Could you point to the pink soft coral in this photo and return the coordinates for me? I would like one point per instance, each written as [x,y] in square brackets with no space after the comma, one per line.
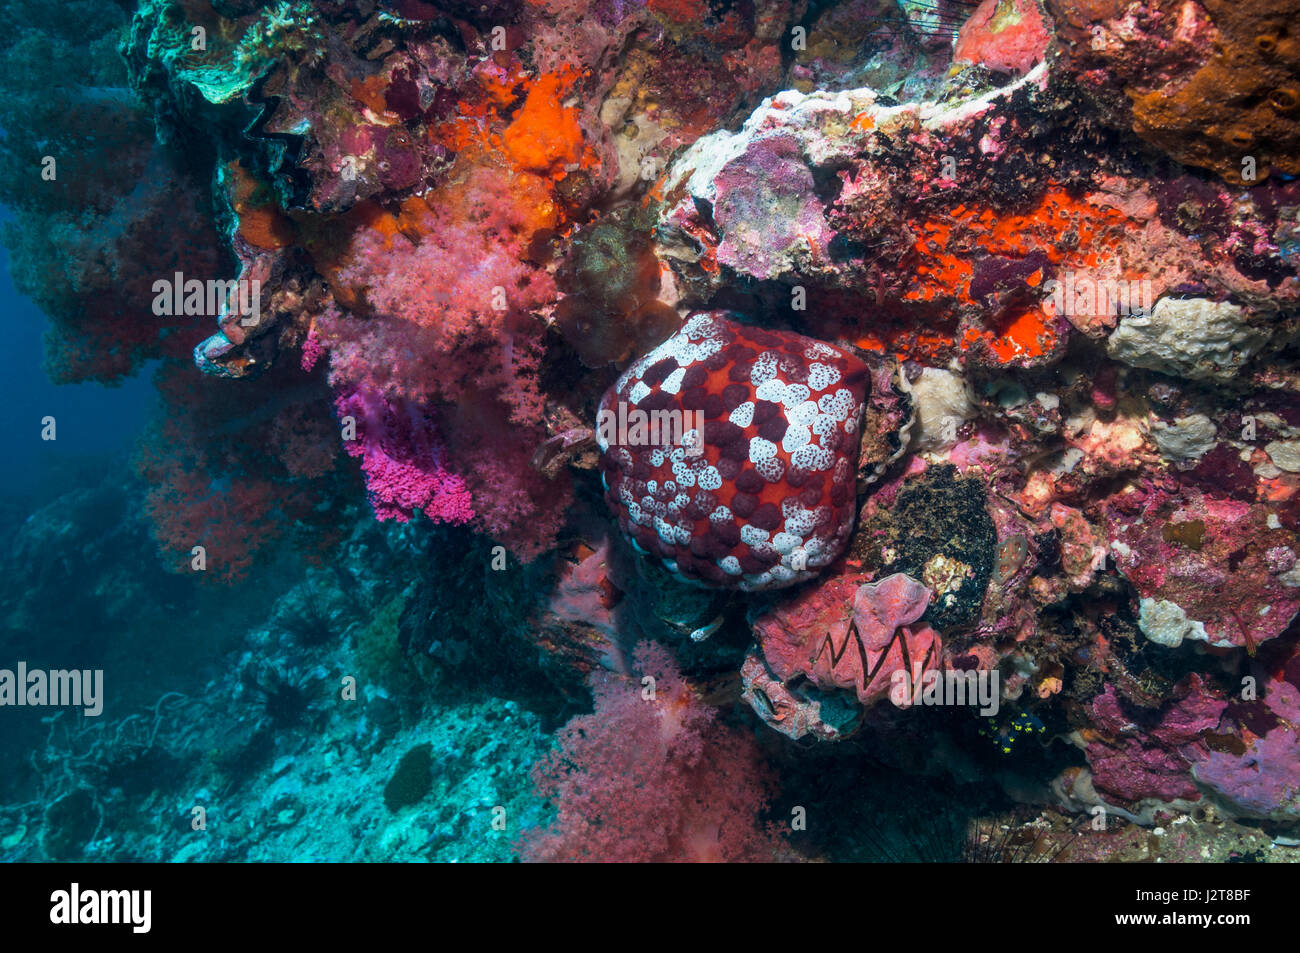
[452,310]
[513,502]
[653,780]
[445,318]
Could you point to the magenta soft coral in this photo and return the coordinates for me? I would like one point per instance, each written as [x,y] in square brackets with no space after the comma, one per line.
[449,324]
[657,780]
[489,441]
[402,463]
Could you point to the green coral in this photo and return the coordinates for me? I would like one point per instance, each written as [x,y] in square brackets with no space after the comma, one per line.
[218,57]
[379,650]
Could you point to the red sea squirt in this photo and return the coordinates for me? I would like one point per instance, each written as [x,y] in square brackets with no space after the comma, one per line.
[757,492]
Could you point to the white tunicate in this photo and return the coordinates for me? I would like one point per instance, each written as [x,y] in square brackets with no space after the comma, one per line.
[1285,454]
[1166,623]
[1188,337]
[942,406]
[1186,438]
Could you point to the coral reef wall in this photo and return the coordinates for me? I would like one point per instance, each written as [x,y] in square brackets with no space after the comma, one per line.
[921,374]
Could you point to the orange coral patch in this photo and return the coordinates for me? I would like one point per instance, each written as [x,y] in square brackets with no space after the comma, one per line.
[545,135]
[1028,334]
[943,269]
[261,223]
[370,92]
[1070,233]
[945,244]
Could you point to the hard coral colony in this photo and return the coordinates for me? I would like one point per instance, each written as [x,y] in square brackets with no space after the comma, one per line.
[832,347]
